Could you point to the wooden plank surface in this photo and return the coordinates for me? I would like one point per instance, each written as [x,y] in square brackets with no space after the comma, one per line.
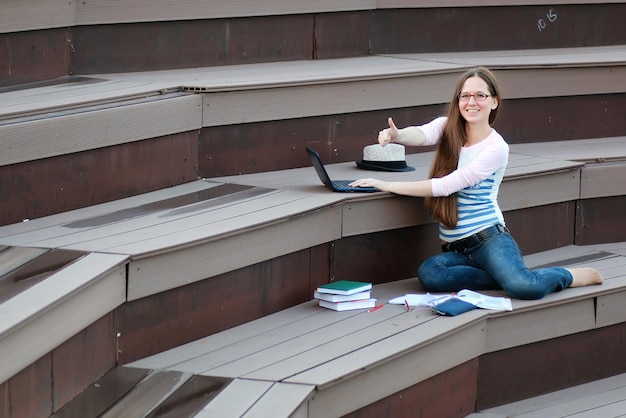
[105,392]
[21,233]
[111,11]
[605,404]
[611,309]
[190,222]
[65,134]
[43,316]
[12,258]
[387,4]
[233,336]
[36,14]
[184,231]
[601,180]
[281,400]
[557,187]
[363,384]
[293,73]
[559,256]
[261,350]
[319,347]
[411,339]
[550,322]
[330,80]
[97,233]
[584,150]
[195,260]
[148,395]
[374,215]
[235,399]
[566,402]
[618,248]
[259,105]
[347,354]
[85,91]
[42,14]
[267,331]
[552,57]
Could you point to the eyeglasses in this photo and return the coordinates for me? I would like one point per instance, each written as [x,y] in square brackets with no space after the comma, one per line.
[479,97]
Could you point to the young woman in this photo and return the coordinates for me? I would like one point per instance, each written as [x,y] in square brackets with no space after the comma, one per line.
[478,251]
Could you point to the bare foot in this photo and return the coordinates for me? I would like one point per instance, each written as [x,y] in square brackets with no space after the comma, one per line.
[585,276]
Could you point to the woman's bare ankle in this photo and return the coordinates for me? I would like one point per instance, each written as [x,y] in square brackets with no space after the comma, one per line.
[585,276]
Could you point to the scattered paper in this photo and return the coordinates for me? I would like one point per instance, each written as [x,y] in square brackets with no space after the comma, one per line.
[411,298]
[495,303]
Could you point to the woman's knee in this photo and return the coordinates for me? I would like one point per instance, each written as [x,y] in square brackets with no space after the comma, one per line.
[428,276]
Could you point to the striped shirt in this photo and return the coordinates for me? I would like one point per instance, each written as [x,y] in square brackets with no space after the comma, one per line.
[477,180]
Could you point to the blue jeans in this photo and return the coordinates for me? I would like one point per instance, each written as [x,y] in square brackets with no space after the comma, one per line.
[495,263]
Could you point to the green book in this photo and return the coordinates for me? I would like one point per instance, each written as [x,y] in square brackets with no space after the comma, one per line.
[344,287]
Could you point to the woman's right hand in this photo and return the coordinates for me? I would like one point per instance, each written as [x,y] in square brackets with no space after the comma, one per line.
[389,134]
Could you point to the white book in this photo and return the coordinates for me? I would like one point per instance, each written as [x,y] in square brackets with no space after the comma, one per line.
[341,298]
[344,287]
[349,305]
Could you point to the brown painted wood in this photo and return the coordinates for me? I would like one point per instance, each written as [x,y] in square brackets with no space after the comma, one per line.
[5,400]
[562,118]
[448,394]
[515,27]
[277,145]
[191,43]
[33,56]
[38,55]
[601,220]
[521,372]
[103,393]
[168,319]
[320,272]
[543,227]
[339,35]
[59,184]
[384,256]
[83,359]
[30,390]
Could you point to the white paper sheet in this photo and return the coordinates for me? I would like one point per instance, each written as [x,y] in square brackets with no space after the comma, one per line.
[478,299]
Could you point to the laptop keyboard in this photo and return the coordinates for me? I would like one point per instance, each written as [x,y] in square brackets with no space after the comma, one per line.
[342,184]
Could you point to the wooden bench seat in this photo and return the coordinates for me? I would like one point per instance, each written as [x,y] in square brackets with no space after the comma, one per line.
[41,317]
[602,398]
[604,171]
[291,205]
[151,104]
[199,230]
[346,355]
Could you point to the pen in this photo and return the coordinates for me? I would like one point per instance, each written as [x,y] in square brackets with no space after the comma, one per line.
[375,308]
[407,305]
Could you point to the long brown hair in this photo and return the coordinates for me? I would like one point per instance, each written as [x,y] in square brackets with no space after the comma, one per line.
[444,209]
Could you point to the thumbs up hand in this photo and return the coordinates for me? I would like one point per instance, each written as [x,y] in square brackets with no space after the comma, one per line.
[389,134]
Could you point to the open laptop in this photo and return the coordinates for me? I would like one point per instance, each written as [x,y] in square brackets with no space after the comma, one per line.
[334,185]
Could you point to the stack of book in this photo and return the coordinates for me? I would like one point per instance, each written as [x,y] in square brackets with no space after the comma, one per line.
[345,295]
